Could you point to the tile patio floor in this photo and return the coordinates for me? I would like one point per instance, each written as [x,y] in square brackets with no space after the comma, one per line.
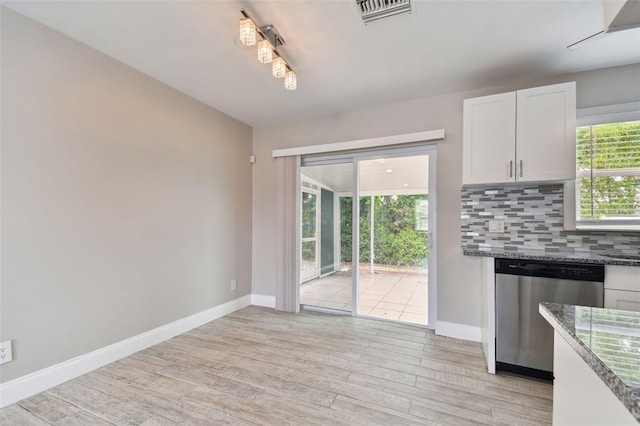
[395,297]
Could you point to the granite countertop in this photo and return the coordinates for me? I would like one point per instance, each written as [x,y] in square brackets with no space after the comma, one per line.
[591,258]
[608,340]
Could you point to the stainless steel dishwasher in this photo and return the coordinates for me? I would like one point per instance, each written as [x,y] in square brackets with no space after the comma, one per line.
[524,340]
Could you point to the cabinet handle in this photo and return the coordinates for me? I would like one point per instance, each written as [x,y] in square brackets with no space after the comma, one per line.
[520,168]
[511,168]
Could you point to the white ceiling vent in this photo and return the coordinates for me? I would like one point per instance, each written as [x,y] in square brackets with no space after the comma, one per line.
[378,9]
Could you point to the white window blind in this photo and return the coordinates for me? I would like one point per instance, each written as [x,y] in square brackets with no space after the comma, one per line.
[608,174]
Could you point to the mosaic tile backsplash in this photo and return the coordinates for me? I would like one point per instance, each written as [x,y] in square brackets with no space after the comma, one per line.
[533,220]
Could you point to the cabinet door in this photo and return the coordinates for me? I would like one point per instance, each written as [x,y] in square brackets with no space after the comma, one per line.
[489,139]
[621,299]
[621,277]
[546,133]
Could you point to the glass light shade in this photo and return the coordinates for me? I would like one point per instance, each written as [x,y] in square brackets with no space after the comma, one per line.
[265,51]
[247,32]
[290,80]
[278,67]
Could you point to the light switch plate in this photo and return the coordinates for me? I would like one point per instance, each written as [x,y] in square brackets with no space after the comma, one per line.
[496,226]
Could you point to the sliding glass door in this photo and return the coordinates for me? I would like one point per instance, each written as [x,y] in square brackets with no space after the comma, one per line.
[394,238]
[328,286]
[373,256]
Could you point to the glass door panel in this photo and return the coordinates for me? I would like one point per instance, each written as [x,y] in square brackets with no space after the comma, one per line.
[329,285]
[393,238]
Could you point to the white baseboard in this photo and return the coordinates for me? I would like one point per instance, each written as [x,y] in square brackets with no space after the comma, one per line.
[262,300]
[458,331]
[36,382]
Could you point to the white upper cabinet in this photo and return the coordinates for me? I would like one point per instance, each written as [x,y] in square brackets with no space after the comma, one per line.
[523,136]
[489,138]
[546,133]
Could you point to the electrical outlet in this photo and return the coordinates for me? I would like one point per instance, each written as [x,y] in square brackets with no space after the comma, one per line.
[234,285]
[6,354]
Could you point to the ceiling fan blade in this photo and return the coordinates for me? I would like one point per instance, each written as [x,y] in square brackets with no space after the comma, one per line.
[579,44]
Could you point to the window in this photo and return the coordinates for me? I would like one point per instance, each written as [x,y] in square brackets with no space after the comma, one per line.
[422,215]
[608,168]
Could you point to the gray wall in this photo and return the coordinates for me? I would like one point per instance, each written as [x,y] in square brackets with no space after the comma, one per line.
[458,276]
[125,204]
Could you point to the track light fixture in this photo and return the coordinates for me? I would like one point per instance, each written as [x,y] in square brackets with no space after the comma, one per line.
[278,67]
[247,32]
[270,39]
[265,52]
[290,80]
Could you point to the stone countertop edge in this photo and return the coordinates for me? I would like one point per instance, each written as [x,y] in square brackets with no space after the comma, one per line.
[552,257]
[629,396]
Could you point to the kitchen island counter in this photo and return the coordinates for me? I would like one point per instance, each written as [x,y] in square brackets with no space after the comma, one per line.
[608,341]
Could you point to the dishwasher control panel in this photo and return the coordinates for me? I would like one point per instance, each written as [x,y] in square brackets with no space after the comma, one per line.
[559,270]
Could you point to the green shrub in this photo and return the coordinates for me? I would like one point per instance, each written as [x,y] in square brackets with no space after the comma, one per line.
[396,241]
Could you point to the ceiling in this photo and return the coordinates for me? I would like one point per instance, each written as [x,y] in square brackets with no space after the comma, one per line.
[342,64]
[380,176]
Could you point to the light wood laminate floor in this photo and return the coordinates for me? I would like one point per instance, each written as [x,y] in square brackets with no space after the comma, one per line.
[260,366]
